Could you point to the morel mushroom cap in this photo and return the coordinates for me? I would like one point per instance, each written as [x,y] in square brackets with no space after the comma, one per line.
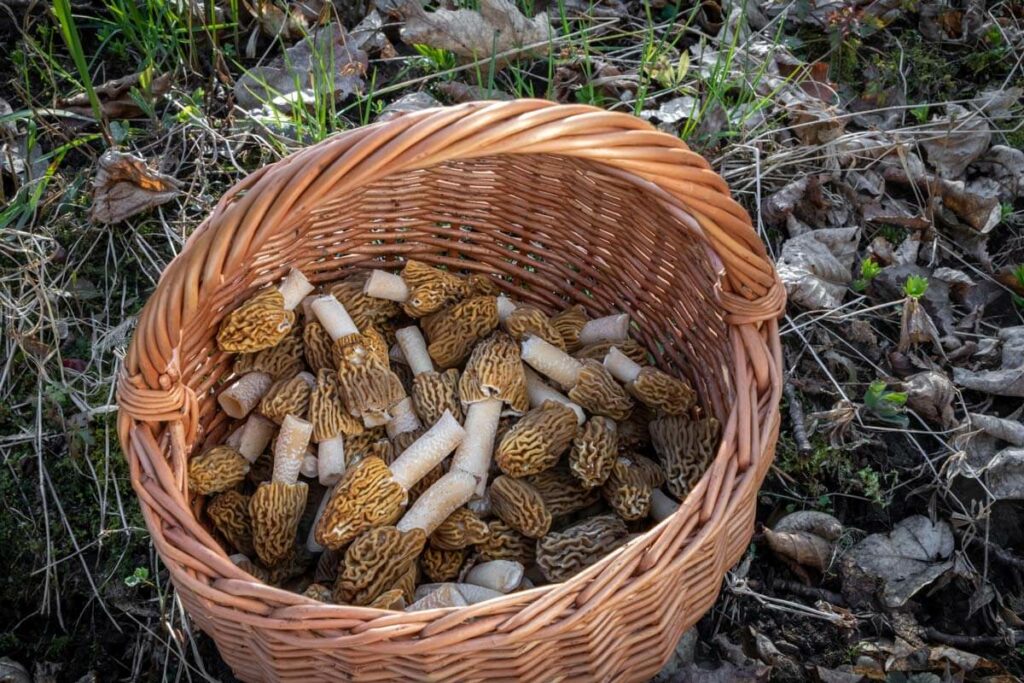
[218,469]
[245,393]
[505,543]
[327,410]
[265,319]
[561,492]
[407,582]
[392,600]
[318,592]
[276,507]
[527,321]
[631,348]
[459,530]
[494,370]
[651,386]
[628,490]
[375,561]
[598,392]
[229,512]
[652,472]
[442,565]
[372,494]
[366,311]
[568,324]
[537,441]
[562,554]
[288,397]
[431,289]
[283,361]
[432,392]
[594,450]
[318,346]
[610,328]
[520,506]
[686,448]
[503,576]
[539,391]
[369,386]
[453,331]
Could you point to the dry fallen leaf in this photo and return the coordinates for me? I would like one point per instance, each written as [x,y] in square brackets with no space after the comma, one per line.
[406,104]
[930,394]
[956,140]
[124,186]
[815,267]
[116,101]
[1006,381]
[806,538]
[498,27]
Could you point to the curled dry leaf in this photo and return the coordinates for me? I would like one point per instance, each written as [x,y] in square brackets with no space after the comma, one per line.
[1006,381]
[116,96]
[497,28]
[124,186]
[956,140]
[815,267]
[930,394]
[806,538]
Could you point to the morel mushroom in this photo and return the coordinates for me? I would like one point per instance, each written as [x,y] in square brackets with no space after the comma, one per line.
[282,361]
[432,392]
[505,543]
[594,450]
[369,387]
[420,289]
[453,331]
[540,391]
[686,448]
[526,321]
[628,489]
[610,328]
[244,394]
[503,576]
[276,507]
[405,426]
[288,397]
[520,506]
[318,346]
[562,554]
[598,351]
[250,567]
[229,512]
[561,492]
[474,454]
[537,441]
[442,565]
[494,370]
[216,470]
[392,600]
[366,311]
[372,494]
[265,319]
[375,561]
[318,592]
[331,424]
[459,530]
[589,383]
[649,385]
[568,323]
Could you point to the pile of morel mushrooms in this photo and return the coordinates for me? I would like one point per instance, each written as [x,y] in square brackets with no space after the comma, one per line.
[435,444]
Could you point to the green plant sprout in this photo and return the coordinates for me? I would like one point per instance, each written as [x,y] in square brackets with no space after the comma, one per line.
[1018,275]
[869,270]
[886,405]
[140,577]
[435,59]
[915,286]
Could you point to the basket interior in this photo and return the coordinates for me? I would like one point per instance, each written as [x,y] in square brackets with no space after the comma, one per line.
[554,231]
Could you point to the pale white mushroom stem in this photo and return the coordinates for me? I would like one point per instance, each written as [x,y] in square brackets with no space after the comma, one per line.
[662,507]
[384,285]
[444,496]
[503,576]
[403,418]
[308,378]
[539,391]
[445,596]
[234,439]
[622,367]
[307,307]
[474,453]
[240,398]
[505,307]
[551,361]
[294,289]
[255,436]
[311,544]
[427,451]
[414,348]
[395,355]
[290,448]
[309,465]
[611,328]
[330,457]
[333,316]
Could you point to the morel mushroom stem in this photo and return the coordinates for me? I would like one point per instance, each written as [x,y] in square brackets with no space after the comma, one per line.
[471,593]
[333,316]
[309,464]
[551,361]
[444,496]
[307,307]
[662,507]
[503,576]
[384,285]
[505,307]
[240,398]
[290,449]
[475,451]
[414,348]
[311,544]
[403,418]
[539,391]
[294,289]
[427,451]
[330,460]
[256,434]
[622,367]
[613,328]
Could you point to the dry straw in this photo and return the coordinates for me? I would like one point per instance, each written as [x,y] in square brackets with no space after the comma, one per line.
[564,205]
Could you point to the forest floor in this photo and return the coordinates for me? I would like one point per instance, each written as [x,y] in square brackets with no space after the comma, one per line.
[877,143]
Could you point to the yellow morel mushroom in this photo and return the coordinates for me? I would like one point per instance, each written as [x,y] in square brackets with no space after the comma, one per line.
[563,554]
[281,361]
[372,494]
[420,289]
[461,529]
[288,397]
[521,321]
[539,391]
[366,311]
[568,323]
[561,492]
[686,448]
[505,543]
[537,441]
[432,392]
[495,371]
[216,470]
[265,319]
[318,592]
[375,561]
[331,424]
[441,565]
[520,506]
[594,449]
[628,489]
[649,385]
[276,507]
[229,512]
[588,382]
[452,332]
[369,387]
[318,346]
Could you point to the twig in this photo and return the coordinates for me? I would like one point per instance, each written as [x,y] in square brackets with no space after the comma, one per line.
[796,417]
[809,592]
[966,642]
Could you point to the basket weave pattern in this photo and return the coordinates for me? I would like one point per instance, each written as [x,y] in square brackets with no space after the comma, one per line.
[563,204]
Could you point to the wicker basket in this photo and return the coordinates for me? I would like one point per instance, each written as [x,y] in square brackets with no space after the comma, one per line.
[562,204]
